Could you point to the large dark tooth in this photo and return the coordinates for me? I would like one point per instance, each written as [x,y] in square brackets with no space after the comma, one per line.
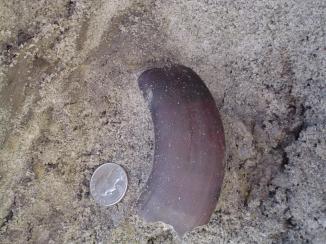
[188,170]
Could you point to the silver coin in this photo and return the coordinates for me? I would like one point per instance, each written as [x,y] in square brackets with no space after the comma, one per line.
[109,184]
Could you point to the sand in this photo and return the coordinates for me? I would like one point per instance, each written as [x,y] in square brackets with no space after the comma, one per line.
[69,102]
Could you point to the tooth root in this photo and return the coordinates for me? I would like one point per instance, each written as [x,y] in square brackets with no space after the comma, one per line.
[188,170]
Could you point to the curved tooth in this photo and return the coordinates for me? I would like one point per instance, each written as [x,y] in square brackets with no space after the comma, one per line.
[188,170]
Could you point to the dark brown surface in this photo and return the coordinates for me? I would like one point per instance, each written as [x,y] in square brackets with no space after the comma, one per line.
[188,171]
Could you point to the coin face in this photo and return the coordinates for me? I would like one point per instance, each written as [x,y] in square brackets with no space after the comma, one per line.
[109,184]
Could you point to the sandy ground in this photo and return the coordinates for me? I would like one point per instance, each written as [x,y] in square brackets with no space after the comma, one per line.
[69,102]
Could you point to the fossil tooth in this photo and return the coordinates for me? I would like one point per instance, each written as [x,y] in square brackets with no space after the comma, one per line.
[184,185]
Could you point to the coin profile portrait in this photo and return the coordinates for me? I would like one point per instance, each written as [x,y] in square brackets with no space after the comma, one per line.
[108,184]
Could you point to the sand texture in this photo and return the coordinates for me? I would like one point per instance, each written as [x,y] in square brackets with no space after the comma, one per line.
[69,101]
